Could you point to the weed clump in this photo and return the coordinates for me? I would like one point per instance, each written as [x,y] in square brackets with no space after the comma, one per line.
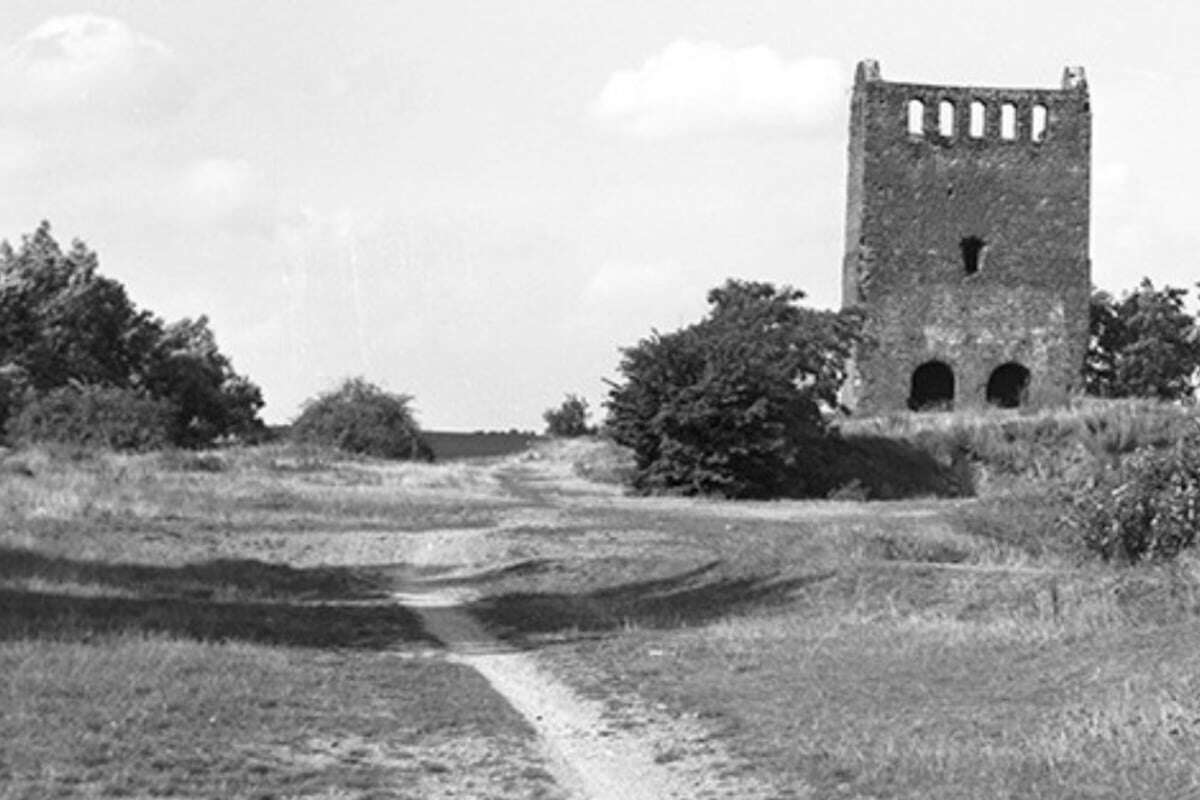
[177,461]
[1146,507]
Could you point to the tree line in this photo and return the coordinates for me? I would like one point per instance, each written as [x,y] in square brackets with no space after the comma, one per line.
[78,359]
[737,404]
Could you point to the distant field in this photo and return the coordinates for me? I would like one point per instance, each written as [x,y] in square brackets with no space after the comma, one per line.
[454,445]
[451,445]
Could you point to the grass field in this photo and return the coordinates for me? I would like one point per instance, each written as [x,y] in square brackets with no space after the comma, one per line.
[139,715]
[899,664]
[217,625]
[210,626]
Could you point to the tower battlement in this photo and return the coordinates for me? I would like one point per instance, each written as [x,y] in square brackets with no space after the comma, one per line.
[967,241]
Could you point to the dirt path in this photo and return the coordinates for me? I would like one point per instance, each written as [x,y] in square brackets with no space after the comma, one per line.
[542,513]
[589,757]
[646,753]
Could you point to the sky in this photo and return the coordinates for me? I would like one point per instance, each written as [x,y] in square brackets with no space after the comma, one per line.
[479,203]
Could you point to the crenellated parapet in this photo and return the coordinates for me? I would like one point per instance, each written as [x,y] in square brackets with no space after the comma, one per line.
[974,116]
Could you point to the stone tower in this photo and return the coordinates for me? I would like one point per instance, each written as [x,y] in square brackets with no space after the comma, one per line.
[967,242]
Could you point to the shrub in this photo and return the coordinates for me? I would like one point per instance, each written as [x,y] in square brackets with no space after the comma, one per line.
[14,386]
[1146,507]
[605,462]
[569,419]
[93,417]
[732,404]
[359,417]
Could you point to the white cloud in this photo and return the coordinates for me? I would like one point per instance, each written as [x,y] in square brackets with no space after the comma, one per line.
[220,186]
[98,65]
[705,86]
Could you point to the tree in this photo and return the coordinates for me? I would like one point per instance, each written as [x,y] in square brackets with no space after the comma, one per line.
[730,405]
[569,419]
[359,417]
[64,324]
[60,320]
[209,399]
[1142,345]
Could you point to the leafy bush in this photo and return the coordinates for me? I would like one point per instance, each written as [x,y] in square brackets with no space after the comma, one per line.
[359,417]
[731,404]
[569,419]
[93,417]
[1146,507]
[14,386]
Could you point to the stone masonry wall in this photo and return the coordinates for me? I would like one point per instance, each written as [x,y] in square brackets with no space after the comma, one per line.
[1014,190]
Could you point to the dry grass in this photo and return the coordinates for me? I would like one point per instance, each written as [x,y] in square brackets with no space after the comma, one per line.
[875,705]
[178,625]
[881,650]
[163,508]
[917,649]
[152,716]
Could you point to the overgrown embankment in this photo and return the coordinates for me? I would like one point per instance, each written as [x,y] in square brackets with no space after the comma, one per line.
[996,450]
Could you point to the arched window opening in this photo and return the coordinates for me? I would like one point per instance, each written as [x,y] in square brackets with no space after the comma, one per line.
[916,118]
[1037,123]
[978,119]
[1008,121]
[972,253]
[932,387]
[1007,385]
[946,118]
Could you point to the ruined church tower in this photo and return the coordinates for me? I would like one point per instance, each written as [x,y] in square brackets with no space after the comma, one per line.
[967,242]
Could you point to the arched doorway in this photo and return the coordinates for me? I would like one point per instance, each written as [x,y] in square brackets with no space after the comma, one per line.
[1006,387]
[932,387]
